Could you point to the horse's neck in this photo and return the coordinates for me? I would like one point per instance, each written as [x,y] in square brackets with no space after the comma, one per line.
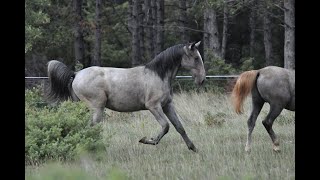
[171,75]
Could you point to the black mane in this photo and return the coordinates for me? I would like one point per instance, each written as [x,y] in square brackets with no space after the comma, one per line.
[167,60]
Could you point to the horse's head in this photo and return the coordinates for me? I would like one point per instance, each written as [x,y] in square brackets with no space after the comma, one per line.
[191,60]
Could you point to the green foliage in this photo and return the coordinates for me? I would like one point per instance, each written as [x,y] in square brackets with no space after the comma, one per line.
[115,56]
[58,133]
[35,18]
[115,42]
[247,64]
[217,65]
[214,120]
[216,4]
[34,97]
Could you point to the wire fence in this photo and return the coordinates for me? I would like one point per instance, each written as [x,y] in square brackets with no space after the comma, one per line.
[228,80]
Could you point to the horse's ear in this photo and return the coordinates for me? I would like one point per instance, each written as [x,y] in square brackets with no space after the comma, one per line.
[191,46]
[197,44]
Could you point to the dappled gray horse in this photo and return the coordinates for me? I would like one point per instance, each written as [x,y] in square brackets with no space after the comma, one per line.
[274,85]
[130,89]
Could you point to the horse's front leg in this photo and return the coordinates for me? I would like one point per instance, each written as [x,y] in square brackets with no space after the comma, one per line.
[162,119]
[172,115]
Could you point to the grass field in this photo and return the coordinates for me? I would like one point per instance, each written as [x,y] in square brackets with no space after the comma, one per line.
[210,122]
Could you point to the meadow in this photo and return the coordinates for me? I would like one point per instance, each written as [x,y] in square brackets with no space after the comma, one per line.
[211,123]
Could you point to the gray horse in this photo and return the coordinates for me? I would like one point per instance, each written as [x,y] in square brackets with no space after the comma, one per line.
[274,85]
[130,89]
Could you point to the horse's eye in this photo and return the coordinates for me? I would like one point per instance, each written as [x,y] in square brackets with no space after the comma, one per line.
[196,58]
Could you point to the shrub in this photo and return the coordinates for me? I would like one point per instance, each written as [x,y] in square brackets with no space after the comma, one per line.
[34,97]
[58,133]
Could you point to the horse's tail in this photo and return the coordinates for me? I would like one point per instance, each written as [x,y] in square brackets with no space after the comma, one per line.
[242,88]
[60,81]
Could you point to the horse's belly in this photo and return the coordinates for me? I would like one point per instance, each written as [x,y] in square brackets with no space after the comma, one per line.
[128,105]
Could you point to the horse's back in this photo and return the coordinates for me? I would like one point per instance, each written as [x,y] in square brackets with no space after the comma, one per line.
[276,85]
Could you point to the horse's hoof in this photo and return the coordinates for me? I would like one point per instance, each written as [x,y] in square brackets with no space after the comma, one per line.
[247,149]
[193,148]
[143,140]
[276,149]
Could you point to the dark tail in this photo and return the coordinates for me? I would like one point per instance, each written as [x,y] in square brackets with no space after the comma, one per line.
[60,81]
[242,88]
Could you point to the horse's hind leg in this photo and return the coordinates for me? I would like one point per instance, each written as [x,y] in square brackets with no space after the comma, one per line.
[172,115]
[257,104]
[96,104]
[97,115]
[162,119]
[268,122]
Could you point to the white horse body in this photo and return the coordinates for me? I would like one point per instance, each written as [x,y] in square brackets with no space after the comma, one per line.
[121,89]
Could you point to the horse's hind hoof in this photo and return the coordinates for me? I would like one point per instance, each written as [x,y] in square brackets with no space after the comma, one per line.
[143,140]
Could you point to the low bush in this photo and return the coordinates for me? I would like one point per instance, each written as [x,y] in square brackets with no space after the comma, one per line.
[60,132]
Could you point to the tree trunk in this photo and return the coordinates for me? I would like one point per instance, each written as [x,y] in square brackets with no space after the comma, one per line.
[130,5]
[211,36]
[289,34]
[267,39]
[183,21]
[149,21]
[135,53]
[97,44]
[160,26]
[148,30]
[141,31]
[154,28]
[225,30]
[79,42]
[252,24]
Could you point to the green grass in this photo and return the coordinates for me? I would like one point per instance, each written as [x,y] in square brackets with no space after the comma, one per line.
[210,122]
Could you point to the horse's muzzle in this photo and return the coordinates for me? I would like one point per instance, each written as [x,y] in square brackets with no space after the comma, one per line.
[202,82]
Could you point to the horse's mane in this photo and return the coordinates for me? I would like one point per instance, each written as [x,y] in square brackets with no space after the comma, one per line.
[167,60]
